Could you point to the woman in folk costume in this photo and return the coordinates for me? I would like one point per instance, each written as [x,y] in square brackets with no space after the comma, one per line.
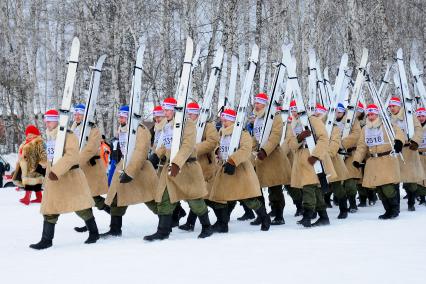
[303,175]
[159,122]
[66,189]
[272,166]
[421,186]
[381,169]
[29,173]
[182,179]
[90,161]
[236,178]
[412,171]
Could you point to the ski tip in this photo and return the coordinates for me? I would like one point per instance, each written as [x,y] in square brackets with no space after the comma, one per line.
[254,53]
[100,61]
[75,50]
[189,50]
[399,54]
[218,59]
[76,42]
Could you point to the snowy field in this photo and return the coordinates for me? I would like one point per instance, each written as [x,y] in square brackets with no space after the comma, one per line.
[360,249]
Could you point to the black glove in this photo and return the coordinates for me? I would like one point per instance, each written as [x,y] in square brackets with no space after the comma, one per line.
[92,161]
[153,158]
[53,176]
[40,170]
[125,178]
[303,135]
[413,145]
[229,168]
[356,164]
[397,146]
[174,170]
[261,155]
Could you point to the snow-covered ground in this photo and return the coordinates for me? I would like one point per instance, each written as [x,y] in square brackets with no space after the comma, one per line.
[360,249]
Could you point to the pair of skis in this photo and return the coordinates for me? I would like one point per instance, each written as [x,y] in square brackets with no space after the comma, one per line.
[91,99]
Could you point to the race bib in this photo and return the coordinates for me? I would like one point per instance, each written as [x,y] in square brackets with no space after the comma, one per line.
[224,147]
[423,143]
[168,136]
[374,137]
[257,128]
[122,140]
[50,149]
[77,131]
[156,138]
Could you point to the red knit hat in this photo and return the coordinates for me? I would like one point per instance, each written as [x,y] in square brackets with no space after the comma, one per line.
[395,101]
[421,111]
[51,115]
[320,109]
[169,103]
[372,108]
[360,107]
[261,98]
[193,108]
[293,106]
[229,114]
[32,129]
[158,111]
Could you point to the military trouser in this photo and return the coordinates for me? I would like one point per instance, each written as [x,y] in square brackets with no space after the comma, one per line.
[350,186]
[410,187]
[362,191]
[276,196]
[295,194]
[85,214]
[253,203]
[119,211]
[421,190]
[338,189]
[165,207]
[386,191]
[99,202]
[313,198]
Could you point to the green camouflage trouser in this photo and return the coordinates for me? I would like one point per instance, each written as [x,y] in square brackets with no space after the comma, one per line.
[165,207]
[313,198]
[350,186]
[295,194]
[421,190]
[276,196]
[386,191]
[84,214]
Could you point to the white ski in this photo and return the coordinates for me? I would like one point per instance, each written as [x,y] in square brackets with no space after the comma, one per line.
[222,86]
[312,76]
[208,96]
[418,81]
[353,102]
[92,98]
[232,83]
[66,100]
[182,97]
[134,107]
[338,94]
[244,101]
[406,98]
[273,102]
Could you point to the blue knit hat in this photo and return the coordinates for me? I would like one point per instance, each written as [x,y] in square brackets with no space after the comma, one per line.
[79,108]
[340,108]
[123,111]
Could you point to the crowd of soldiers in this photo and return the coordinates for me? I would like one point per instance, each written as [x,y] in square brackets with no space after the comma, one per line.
[366,162]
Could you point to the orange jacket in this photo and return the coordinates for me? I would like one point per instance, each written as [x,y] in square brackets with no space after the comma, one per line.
[105,152]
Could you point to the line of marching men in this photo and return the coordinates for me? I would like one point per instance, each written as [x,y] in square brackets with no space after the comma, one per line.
[203,175]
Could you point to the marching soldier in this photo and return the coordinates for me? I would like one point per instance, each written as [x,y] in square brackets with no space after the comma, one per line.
[183,180]
[205,156]
[303,175]
[295,193]
[339,165]
[271,165]
[411,170]
[90,162]
[421,186]
[66,188]
[375,142]
[354,174]
[159,122]
[236,173]
[137,182]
